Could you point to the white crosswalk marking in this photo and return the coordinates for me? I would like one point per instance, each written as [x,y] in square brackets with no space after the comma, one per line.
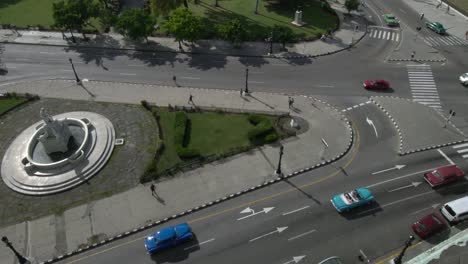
[423,87]
[385,34]
[462,149]
[445,41]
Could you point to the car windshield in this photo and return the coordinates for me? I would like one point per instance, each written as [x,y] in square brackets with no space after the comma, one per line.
[437,175]
[450,210]
[390,17]
[356,195]
[422,227]
[465,75]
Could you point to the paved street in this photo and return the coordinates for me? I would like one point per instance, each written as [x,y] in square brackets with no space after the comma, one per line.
[383,140]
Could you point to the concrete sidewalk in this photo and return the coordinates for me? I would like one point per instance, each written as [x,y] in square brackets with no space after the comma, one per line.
[51,236]
[344,38]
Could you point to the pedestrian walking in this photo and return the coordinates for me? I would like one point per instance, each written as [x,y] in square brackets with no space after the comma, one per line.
[448,8]
[422,16]
[356,28]
[241,92]
[466,35]
[190,99]
[153,189]
[412,54]
[63,36]
[290,102]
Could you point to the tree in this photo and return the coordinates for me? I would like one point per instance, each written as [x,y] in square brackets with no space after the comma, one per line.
[233,31]
[184,25]
[351,5]
[74,14]
[108,11]
[135,24]
[283,35]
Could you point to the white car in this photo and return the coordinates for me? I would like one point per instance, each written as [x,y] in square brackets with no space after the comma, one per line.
[464,79]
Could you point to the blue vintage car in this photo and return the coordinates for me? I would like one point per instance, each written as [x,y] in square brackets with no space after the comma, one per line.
[168,237]
[346,201]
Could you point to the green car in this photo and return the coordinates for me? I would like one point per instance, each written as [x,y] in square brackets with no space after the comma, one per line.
[390,19]
[436,27]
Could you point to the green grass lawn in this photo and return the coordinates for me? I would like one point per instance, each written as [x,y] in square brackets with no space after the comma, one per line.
[269,14]
[26,12]
[212,133]
[461,5]
[7,104]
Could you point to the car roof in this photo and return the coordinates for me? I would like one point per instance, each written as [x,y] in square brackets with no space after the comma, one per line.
[331,260]
[459,204]
[448,170]
[165,233]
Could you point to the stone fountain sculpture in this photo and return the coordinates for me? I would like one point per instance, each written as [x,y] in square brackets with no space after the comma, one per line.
[58,153]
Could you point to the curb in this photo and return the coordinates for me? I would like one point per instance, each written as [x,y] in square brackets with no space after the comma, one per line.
[217,201]
[419,60]
[400,147]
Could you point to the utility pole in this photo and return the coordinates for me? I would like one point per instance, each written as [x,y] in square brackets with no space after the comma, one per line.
[408,242]
[78,81]
[271,43]
[278,169]
[246,81]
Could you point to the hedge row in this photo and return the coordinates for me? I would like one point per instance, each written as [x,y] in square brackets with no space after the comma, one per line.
[182,136]
[263,132]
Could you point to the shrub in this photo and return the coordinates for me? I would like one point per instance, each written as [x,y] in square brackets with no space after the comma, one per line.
[145,104]
[272,137]
[255,119]
[260,130]
[186,153]
[180,123]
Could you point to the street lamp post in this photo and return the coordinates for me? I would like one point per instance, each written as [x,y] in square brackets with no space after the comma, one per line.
[271,43]
[74,71]
[21,259]
[278,169]
[246,80]
[408,242]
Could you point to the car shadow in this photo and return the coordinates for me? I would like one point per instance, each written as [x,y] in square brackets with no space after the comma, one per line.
[388,90]
[369,210]
[178,253]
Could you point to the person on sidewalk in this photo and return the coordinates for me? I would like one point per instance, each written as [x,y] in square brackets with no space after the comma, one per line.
[422,16]
[153,189]
[190,99]
[412,55]
[448,8]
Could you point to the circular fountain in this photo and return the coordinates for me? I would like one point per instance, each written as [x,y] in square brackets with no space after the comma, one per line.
[58,153]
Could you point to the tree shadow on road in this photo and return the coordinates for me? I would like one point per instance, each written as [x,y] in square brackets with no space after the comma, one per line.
[303,192]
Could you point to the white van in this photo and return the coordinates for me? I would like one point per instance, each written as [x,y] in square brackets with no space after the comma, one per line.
[456,211]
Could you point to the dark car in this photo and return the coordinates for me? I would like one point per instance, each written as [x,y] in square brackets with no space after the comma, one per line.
[168,237]
[444,175]
[376,85]
[429,225]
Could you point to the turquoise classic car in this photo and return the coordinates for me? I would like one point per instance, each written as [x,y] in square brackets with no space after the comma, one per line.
[390,20]
[346,201]
[436,27]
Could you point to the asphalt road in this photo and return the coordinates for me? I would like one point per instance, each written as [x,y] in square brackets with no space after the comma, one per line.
[314,229]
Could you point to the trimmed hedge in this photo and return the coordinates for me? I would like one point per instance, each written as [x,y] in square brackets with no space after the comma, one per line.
[182,136]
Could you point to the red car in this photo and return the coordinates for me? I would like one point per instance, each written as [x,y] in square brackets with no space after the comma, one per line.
[376,85]
[429,225]
[444,175]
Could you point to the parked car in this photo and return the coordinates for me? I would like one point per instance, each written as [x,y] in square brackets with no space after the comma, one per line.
[346,201]
[455,211]
[376,85]
[444,175]
[464,79]
[436,27]
[168,237]
[390,20]
[429,225]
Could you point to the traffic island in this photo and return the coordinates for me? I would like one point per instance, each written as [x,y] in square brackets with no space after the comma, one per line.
[419,127]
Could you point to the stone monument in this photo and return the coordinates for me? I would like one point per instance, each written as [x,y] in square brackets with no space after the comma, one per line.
[58,153]
[298,19]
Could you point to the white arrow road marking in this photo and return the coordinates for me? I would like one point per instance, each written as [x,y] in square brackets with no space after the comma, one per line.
[265,210]
[397,178]
[434,206]
[445,156]
[413,184]
[371,123]
[247,210]
[199,244]
[397,167]
[278,230]
[297,210]
[301,235]
[295,259]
